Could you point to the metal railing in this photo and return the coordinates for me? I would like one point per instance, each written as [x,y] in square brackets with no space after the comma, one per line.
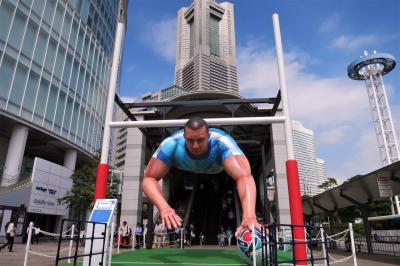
[388,245]
[80,225]
[273,241]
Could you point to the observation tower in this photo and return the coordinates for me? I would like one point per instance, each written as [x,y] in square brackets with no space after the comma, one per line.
[371,69]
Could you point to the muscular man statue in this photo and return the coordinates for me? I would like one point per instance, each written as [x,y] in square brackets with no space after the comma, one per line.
[199,149]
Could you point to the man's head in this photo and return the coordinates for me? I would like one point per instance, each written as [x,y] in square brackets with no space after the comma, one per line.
[196,136]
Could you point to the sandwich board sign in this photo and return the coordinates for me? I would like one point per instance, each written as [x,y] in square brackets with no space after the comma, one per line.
[102,212]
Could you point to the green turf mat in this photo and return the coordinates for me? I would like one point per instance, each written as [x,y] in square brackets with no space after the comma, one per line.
[173,256]
[180,257]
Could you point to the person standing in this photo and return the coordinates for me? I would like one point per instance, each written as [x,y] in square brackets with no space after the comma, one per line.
[229,235]
[126,233]
[221,237]
[139,235]
[10,234]
[34,235]
[202,239]
[159,233]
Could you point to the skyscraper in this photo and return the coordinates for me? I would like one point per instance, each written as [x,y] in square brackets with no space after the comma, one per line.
[311,169]
[55,61]
[322,177]
[206,49]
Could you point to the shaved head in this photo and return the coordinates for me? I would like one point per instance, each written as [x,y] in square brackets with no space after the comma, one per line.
[196,123]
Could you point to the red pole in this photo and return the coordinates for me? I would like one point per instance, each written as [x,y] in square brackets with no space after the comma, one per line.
[101,182]
[296,211]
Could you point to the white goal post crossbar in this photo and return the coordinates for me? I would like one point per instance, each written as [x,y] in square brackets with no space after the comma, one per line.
[210,121]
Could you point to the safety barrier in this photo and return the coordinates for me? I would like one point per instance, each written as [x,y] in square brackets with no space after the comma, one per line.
[78,238]
[274,237]
[74,235]
[280,237]
[166,240]
[52,255]
[388,245]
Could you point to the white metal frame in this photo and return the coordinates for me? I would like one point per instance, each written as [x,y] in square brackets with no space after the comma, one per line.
[210,121]
[282,82]
[111,91]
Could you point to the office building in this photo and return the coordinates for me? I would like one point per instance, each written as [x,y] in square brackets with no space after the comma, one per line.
[311,169]
[322,177]
[206,48]
[55,61]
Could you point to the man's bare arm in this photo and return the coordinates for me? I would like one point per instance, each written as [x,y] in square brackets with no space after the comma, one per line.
[157,169]
[238,168]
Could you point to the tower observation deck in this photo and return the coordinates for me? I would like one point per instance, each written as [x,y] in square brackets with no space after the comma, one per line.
[371,69]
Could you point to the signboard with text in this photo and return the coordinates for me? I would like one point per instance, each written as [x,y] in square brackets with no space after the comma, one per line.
[50,181]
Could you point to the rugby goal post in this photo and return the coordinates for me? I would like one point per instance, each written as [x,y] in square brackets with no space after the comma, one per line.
[295,202]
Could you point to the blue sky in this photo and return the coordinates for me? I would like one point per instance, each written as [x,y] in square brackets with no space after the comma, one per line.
[320,39]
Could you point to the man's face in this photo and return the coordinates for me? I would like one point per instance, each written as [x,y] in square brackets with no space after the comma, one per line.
[197,140]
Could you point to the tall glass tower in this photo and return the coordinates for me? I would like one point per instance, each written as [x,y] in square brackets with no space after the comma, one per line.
[55,61]
[206,48]
[54,65]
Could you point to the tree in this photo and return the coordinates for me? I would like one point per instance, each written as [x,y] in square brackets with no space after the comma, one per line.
[80,198]
[330,183]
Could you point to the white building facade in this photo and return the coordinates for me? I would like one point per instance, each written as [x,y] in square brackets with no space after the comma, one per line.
[322,177]
[206,47]
[311,169]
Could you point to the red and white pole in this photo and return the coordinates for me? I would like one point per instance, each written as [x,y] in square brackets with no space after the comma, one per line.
[102,169]
[296,208]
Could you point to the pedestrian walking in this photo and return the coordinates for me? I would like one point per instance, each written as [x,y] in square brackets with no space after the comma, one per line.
[10,234]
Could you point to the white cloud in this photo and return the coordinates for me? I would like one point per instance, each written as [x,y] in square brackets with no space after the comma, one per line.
[366,154]
[127,99]
[314,101]
[330,23]
[336,107]
[161,37]
[354,42]
[334,135]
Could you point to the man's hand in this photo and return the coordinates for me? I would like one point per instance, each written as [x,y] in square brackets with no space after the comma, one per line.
[246,223]
[169,218]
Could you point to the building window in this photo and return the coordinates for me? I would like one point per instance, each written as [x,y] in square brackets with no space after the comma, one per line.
[192,36]
[214,35]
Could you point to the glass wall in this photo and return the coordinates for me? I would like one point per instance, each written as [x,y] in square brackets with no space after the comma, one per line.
[55,60]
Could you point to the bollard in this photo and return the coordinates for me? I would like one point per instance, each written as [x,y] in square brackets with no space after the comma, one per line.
[111,244]
[253,240]
[323,245]
[353,248]
[181,237]
[70,242]
[28,243]
[118,240]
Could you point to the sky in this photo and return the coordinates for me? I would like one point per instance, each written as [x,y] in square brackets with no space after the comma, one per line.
[320,39]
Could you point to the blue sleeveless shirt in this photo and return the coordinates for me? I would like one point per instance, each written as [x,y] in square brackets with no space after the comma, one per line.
[173,152]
